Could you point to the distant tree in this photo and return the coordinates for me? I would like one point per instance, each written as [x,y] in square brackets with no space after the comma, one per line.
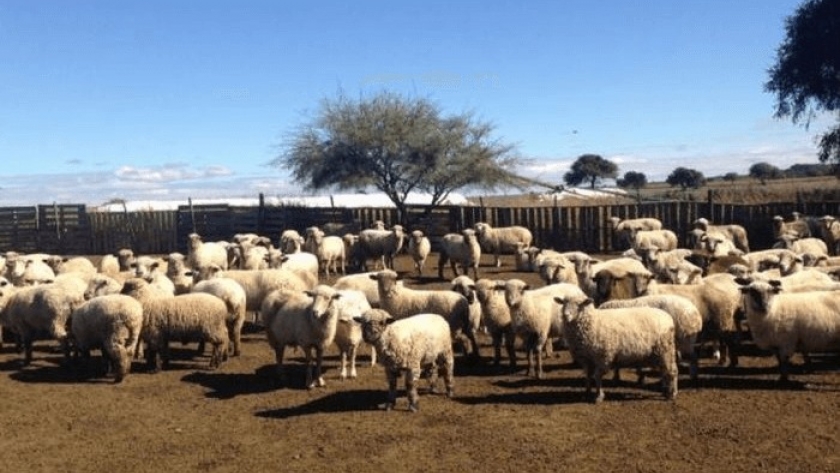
[809,170]
[764,171]
[685,178]
[590,168]
[396,145]
[806,75]
[730,177]
[633,180]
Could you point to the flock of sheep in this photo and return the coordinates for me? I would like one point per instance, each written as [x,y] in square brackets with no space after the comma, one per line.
[650,307]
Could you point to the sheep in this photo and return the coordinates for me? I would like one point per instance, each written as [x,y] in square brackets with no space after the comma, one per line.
[796,228]
[401,302]
[290,241]
[625,229]
[307,319]
[26,272]
[601,339]
[664,240]
[303,263]
[79,265]
[353,252]
[348,333]
[536,256]
[111,323]
[178,273]
[830,233]
[495,314]
[154,271]
[532,316]
[410,345]
[193,316]
[556,269]
[788,322]
[732,232]
[522,258]
[500,240]
[672,266]
[786,260]
[715,244]
[235,299]
[687,321]
[361,282]
[382,244]
[258,283]
[460,249]
[419,248]
[811,246]
[102,285]
[718,299]
[330,251]
[115,263]
[378,225]
[465,286]
[201,253]
[620,278]
[43,309]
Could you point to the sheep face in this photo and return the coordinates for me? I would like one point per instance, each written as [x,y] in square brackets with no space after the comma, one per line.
[322,302]
[193,241]
[374,322]
[124,258]
[514,290]
[464,286]
[572,308]
[15,267]
[758,295]
[417,237]
[387,282]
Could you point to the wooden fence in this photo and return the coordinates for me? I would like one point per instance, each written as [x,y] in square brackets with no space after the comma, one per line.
[73,230]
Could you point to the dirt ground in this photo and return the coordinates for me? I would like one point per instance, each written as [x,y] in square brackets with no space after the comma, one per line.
[237,418]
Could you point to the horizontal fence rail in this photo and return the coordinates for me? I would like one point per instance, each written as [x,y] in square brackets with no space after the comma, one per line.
[74,230]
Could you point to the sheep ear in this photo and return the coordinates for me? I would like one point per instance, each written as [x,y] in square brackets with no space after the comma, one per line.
[336,297]
[375,276]
[777,285]
[390,321]
[587,302]
[559,300]
[359,319]
[309,293]
[743,281]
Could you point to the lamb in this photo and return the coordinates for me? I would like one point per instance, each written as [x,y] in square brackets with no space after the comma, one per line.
[625,229]
[290,241]
[348,333]
[687,321]
[532,315]
[235,299]
[383,244]
[785,323]
[830,233]
[401,302]
[502,239]
[178,273]
[330,252]
[410,345]
[419,248]
[307,319]
[601,339]
[202,254]
[186,317]
[496,316]
[460,249]
[733,232]
[111,323]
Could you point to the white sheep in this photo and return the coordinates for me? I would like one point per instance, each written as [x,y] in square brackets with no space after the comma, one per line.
[22,271]
[533,317]
[233,295]
[501,240]
[558,268]
[687,321]
[154,271]
[302,263]
[258,283]
[495,314]
[460,250]
[178,272]
[79,265]
[797,228]
[307,319]
[625,229]
[602,339]
[381,244]
[789,322]
[330,251]
[201,254]
[361,282]
[620,278]
[663,240]
[830,233]
[811,246]
[732,232]
[111,323]
[290,241]
[419,248]
[465,286]
[102,285]
[185,317]
[401,302]
[348,334]
[115,263]
[411,346]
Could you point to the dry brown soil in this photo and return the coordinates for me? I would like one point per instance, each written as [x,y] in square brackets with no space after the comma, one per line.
[238,418]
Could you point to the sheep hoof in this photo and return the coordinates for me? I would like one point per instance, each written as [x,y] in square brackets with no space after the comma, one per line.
[413,407]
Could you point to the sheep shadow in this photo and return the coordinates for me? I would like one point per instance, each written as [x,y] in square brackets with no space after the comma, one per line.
[230,385]
[337,402]
[55,370]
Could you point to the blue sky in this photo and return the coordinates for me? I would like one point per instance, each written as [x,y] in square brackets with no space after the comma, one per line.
[175,99]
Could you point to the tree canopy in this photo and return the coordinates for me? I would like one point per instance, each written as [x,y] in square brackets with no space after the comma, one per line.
[396,145]
[632,180]
[806,74]
[764,171]
[686,178]
[590,168]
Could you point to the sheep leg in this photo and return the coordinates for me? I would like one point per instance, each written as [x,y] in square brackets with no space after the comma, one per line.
[598,374]
[279,351]
[343,373]
[313,371]
[539,364]
[392,389]
[165,355]
[353,350]
[236,336]
[411,377]
[510,340]
[26,341]
[498,260]
[497,348]
[447,370]
[784,367]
